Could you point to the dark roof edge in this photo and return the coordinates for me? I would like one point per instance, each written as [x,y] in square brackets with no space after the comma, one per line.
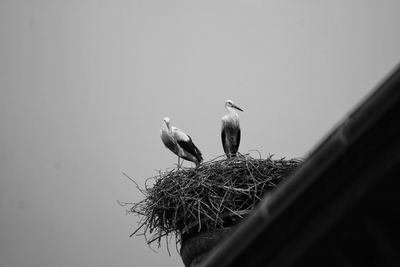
[325,154]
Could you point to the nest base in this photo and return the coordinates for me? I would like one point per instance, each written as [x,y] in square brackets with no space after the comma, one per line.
[195,204]
[196,247]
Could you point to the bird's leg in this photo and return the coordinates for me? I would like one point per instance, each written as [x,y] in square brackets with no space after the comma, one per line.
[179,163]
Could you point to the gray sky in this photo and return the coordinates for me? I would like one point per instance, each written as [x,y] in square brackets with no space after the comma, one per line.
[84,86]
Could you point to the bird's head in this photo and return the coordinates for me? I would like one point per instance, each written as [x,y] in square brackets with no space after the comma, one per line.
[166,121]
[230,104]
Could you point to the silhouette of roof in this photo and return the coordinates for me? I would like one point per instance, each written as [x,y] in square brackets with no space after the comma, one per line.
[341,207]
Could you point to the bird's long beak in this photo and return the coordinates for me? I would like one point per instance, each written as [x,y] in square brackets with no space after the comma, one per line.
[234,106]
[166,125]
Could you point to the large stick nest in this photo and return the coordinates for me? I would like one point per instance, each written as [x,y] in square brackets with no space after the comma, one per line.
[215,194]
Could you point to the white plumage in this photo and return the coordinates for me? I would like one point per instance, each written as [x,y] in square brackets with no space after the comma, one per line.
[180,144]
[230,131]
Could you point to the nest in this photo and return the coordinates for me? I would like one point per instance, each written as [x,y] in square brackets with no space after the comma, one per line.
[214,195]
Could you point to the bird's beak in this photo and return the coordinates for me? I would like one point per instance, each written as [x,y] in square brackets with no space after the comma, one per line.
[166,124]
[234,106]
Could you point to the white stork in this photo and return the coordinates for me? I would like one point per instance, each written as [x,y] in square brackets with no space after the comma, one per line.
[180,143]
[230,131]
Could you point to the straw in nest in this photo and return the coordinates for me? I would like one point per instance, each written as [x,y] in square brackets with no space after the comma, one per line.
[215,194]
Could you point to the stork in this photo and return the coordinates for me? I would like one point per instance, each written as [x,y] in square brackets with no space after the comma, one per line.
[230,131]
[180,144]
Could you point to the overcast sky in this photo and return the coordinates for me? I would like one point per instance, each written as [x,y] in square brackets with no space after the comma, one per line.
[84,86]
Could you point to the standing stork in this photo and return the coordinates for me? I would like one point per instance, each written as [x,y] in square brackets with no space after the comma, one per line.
[180,144]
[230,132]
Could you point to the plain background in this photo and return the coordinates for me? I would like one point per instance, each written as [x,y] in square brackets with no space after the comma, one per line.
[84,86]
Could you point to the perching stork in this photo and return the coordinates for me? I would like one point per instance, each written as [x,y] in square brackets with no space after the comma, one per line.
[180,143]
[230,132]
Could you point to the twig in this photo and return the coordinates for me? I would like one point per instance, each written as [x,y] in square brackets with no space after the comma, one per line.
[196,199]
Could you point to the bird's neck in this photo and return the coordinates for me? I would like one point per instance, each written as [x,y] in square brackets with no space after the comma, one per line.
[168,127]
[232,112]
[232,116]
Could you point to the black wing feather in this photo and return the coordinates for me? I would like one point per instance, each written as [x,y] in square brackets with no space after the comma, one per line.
[231,145]
[237,141]
[236,144]
[223,136]
[191,148]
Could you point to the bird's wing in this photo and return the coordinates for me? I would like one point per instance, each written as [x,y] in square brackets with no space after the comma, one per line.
[236,145]
[230,137]
[179,135]
[198,154]
[190,147]
[224,144]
